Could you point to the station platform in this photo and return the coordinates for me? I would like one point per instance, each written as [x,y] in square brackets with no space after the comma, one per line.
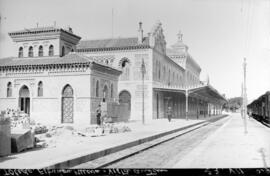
[75,152]
[232,147]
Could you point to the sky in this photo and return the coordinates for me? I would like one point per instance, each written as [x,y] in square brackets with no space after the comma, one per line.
[219,33]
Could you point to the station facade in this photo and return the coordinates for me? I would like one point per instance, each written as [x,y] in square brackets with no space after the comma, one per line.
[58,78]
[52,83]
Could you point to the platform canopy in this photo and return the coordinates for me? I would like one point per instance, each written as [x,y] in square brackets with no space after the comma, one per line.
[207,91]
[204,91]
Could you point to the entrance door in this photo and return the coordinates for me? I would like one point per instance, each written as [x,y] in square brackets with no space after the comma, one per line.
[125,97]
[24,100]
[67,104]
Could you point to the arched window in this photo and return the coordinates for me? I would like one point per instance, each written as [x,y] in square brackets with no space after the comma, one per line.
[112,91]
[63,51]
[20,52]
[105,91]
[40,51]
[30,52]
[40,89]
[169,79]
[124,64]
[97,88]
[51,52]
[9,89]
[164,73]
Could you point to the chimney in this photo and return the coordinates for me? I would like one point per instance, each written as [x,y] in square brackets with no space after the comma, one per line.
[140,33]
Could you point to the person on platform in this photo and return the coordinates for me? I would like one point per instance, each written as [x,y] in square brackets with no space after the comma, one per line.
[98,114]
[169,113]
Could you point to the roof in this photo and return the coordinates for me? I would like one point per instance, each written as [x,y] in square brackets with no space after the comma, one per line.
[37,30]
[202,90]
[171,52]
[71,58]
[208,91]
[113,43]
[259,98]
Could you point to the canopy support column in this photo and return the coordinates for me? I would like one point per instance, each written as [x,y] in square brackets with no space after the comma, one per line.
[186,95]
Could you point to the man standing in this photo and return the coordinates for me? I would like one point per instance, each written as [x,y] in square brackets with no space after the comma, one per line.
[98,112]
[169,113]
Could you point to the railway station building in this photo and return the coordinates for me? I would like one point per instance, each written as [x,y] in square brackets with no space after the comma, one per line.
[58,78]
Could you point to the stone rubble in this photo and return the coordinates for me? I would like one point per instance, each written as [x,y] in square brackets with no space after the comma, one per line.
[41,136]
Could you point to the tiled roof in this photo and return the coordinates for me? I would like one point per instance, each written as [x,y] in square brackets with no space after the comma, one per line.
[115,43]
[71,58]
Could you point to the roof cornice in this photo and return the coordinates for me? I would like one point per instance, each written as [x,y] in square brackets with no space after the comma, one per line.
[113,48]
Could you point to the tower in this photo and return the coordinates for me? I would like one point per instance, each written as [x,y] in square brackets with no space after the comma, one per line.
[44,41]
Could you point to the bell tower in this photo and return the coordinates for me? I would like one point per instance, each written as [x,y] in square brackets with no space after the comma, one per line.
[179,45]
[44,42]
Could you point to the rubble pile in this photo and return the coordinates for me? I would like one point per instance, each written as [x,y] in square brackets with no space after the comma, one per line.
[26,134]
[39,129]
[5,140]
[116,128]
[21,137]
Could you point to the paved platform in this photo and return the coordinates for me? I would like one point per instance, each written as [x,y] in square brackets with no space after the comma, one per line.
[76,152]
[231,147]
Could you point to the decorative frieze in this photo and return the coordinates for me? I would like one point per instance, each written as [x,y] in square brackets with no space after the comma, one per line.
[41,69]
[18,82]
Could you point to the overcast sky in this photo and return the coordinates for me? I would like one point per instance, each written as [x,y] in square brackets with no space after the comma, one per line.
[219,33]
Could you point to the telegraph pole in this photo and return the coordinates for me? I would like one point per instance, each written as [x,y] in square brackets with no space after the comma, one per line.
[245,96]
[143,70]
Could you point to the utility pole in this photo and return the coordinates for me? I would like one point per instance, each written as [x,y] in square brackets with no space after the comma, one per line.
[143,71]
[245,96]
[186,95]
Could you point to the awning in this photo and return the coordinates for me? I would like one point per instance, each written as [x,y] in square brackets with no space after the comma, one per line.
[204,91]
[209,92]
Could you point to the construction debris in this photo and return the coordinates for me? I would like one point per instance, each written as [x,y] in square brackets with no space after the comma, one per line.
[21,139]
[5,141]
[25,133]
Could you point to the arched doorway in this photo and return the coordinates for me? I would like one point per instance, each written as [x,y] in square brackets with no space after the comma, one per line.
[67,104]
[125,97]
[24,99]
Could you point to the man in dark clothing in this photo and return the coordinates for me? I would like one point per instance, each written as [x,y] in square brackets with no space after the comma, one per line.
[169,113]
[98,111]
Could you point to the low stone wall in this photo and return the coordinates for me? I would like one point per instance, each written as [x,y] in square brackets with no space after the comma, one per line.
[5,138]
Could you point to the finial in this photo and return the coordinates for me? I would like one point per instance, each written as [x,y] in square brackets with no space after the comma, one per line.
[180,36]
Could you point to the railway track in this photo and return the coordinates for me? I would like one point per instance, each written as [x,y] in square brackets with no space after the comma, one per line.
[184,140]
